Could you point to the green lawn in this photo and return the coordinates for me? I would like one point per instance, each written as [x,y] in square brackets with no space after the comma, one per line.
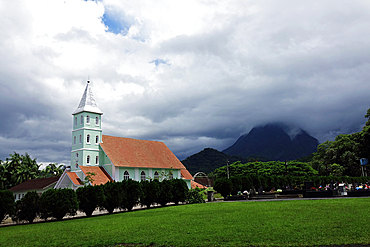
[271,223]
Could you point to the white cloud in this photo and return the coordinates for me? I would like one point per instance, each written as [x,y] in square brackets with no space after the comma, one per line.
[194,74]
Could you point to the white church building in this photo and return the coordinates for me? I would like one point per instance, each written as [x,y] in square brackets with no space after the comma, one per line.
[109,158]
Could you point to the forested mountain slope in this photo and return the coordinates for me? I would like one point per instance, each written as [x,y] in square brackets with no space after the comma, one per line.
[275,142]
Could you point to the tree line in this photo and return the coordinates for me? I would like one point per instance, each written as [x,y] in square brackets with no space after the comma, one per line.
[19,168]
[57,203]
[235,184]
[342,156]
[269,168]
[337,160]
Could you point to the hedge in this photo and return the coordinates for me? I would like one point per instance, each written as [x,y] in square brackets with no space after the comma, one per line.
[57,203]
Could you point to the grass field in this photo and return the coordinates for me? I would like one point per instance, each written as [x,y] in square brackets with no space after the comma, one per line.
[268,223]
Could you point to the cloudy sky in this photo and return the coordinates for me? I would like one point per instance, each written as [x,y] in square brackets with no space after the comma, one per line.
[193,74]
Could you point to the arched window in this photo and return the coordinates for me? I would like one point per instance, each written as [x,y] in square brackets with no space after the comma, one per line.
[156,175]
[80,139]
[76,165]
[97,120]
[97,139]
[88,119]
[75,121]
[74,140]
[82,120]
[88,159]
[97,160]
[88,139]
[142,176]
[126,175]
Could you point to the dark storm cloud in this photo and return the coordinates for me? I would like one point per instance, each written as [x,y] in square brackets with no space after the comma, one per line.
[194,76]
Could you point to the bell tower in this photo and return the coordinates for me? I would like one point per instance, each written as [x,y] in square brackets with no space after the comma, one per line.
[87,132]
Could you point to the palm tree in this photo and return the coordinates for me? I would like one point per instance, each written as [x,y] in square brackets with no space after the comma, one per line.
[21,168]
[52,170]
[3,175]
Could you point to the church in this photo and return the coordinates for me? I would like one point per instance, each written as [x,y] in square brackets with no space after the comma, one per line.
[97,158]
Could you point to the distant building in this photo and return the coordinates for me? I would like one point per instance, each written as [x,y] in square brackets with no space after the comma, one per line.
[97,159]
[39,185]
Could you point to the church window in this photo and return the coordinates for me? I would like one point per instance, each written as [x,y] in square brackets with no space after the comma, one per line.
[82,120]
[88,119]
[142,176]
[126,175]
[156,175]
[88,139]
[97,160]
[97,121]
[97,139]
[80,139]
[74,140]
[88,159]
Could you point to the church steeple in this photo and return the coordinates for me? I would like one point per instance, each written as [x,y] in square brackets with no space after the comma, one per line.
[87,102]
[87,132]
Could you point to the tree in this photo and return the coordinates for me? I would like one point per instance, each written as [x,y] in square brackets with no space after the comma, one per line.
[368,117]
[25,168]
[124,194]
[336,170]
[133,193]
[4,175]
[270,168]
[223,186]
[179,190]
[89,198]
[195,196]
[345,151]
[58,203]
[51,170]
[150,191]
[6,204]
[17,169]
[28,207]
[89,179]
[113,196]
[47,203]
[165,192]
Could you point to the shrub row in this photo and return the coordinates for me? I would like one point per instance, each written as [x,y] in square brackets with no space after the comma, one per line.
[110,196]
[227,186]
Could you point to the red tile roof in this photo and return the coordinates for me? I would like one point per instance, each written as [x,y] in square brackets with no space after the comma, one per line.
[185,174]
[35,184]
[127,152]
[100,177]
[74,178]
[197,185]
[204,180]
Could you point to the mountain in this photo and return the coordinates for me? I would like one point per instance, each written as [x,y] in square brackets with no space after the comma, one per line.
[274,141]
[209,159]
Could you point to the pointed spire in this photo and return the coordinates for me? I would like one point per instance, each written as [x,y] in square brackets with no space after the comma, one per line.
[87,102]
